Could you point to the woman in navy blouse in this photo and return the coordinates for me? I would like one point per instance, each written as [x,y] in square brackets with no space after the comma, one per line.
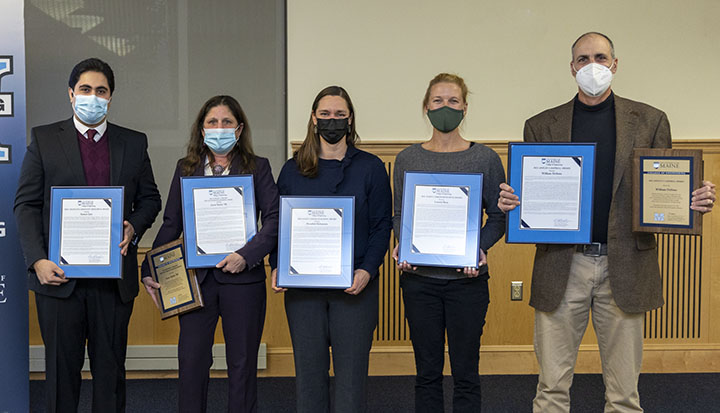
[329,164]
[235,289]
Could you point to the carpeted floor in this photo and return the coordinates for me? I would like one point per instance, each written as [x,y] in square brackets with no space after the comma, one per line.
[658,393]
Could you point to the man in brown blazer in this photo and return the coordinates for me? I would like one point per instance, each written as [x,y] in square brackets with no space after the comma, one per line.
[617,277]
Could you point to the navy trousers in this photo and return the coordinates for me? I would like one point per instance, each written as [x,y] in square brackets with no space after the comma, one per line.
[242,308]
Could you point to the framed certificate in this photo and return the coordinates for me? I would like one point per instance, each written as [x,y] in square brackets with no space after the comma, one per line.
[86,227]
[218,217]
[555,183]
[179,290]
[315,242]
[663,182]
[441,219]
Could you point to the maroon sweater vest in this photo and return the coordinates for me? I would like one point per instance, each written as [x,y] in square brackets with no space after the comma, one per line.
[96,160]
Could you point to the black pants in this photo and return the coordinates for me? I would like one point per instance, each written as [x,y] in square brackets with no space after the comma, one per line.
[319,319]
[93,312]
[432,307]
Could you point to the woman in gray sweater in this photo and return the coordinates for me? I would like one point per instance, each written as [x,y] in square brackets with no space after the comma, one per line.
[453,300]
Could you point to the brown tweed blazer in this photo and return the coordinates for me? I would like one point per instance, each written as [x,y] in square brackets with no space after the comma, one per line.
[632,257]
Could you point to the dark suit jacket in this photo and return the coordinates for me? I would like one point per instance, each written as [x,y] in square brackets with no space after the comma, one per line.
[266,202]
[632,257]
[53,159]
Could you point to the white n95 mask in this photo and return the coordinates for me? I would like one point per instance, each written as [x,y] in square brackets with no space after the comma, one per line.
[594,79]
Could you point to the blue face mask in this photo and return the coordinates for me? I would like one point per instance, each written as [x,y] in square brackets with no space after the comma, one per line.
[220,140]
[90,109]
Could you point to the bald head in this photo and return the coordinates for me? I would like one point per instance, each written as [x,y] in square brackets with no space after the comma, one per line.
[595,35]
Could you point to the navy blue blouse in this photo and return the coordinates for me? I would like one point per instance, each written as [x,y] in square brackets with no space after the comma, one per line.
[359,174]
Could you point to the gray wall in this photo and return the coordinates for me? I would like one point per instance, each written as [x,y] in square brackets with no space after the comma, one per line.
[169,57]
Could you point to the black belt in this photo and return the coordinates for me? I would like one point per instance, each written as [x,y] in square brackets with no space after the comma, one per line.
[594,249]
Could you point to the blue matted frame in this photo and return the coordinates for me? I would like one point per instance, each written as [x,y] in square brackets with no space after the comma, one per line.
[345,206]
[193,258]
[471,184]
[584,154]
[114,195]
[692,185]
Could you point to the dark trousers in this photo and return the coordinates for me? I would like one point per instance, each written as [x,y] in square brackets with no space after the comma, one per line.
[93,312]
[432,307]
[242,308]
[320,319]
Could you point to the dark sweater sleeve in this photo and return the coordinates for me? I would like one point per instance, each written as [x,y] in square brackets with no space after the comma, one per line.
[494,227]
[379,224]
[283,189]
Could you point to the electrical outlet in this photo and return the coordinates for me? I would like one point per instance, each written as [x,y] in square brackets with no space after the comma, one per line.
[516,290]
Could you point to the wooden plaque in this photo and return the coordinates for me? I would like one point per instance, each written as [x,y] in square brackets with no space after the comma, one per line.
[179,289]
[663,182]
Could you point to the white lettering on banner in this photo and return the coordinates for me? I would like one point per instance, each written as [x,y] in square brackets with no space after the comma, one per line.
[6,99]
[3,298]
[2,229]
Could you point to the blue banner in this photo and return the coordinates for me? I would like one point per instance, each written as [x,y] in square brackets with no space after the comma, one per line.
[14,380]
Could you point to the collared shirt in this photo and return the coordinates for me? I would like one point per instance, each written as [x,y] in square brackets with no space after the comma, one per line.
[208,168]
[101,128]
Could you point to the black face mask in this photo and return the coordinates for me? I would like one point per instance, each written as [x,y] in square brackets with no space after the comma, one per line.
[332,130]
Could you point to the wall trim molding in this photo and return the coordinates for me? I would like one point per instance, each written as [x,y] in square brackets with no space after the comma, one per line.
[157,360]
[520,359]
[149,357]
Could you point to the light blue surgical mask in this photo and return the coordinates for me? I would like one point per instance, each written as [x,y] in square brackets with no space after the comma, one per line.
[90,109]
[220,140]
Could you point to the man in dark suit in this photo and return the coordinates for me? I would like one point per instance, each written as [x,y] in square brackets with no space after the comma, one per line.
[85,150]
[617,276]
